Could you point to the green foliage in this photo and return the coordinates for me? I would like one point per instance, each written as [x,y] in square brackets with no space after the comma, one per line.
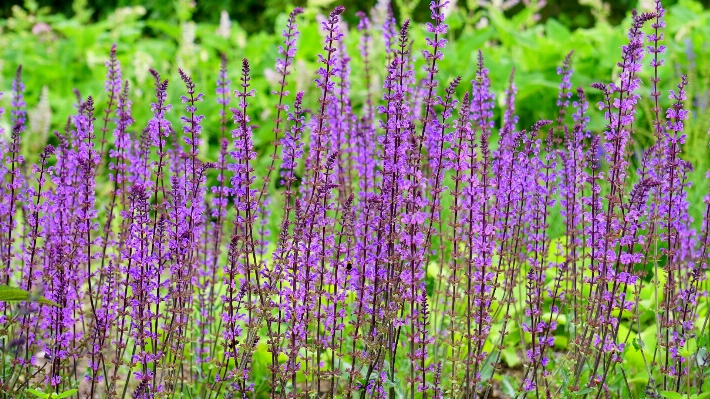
[50,395]
[14,294]
[704,340]
[676,395]
[65,53]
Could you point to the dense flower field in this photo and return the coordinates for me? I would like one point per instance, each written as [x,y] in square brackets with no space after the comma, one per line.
[414,253]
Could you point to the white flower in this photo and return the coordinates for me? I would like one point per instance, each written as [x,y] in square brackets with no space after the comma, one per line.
[449,9]
[40,117]
[225,25]
[482,23]
[141,62]
[187,50]
[379,14]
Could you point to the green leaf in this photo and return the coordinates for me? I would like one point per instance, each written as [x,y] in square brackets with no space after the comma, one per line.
[584,391]
[390,384]
[508,388]
[616,382]
[66,394]
[14,294]
[638,344]
[704,339]
[705,395]
[510,356]
[170,29]
[556,31]
[37,393]
[671,395]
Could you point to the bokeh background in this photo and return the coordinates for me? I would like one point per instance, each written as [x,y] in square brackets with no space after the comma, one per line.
[63,46]
[255,15]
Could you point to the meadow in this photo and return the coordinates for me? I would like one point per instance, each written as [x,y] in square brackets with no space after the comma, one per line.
[483,205]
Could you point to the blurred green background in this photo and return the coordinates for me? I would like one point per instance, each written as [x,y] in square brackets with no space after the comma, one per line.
[255,15]
[63,45]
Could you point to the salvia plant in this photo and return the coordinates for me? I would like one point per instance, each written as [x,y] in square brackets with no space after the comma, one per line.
[402,245]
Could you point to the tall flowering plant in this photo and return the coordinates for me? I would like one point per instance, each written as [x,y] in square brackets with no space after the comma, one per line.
[425,244]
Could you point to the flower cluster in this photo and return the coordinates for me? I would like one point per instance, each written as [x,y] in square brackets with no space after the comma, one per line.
[421,237]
